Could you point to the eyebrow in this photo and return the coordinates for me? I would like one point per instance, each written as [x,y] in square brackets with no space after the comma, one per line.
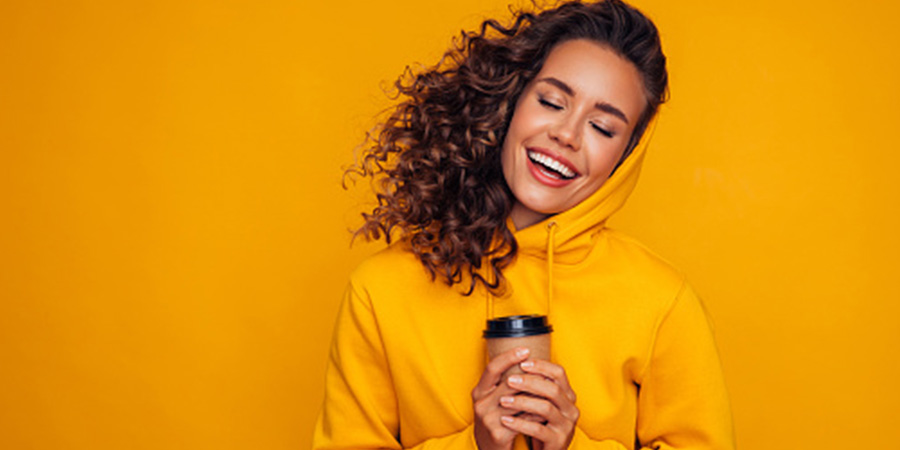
[602,106]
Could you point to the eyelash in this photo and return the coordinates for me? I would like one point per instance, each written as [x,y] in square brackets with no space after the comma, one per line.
[550,105]
[602,131]
[556,107]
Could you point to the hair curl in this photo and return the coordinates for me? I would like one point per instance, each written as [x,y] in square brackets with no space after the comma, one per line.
[436,157]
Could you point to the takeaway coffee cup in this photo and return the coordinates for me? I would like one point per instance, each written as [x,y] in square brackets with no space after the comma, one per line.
[531,331]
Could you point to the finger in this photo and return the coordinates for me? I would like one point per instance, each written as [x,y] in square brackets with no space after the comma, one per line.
[500,433]
[495,369]
[543,387]
[533,405]
[530,417]
[488,408]
[490,404]
[492,421]
[549,370]
[537,385]
[534,429]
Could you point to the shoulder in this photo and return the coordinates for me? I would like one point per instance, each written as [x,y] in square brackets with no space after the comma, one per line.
[391,269]
[662,285]
[389,262]
[632,260]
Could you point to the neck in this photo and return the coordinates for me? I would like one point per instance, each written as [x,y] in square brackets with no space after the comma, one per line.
[523,217]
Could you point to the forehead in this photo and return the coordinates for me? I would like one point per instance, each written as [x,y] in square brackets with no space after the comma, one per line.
[596,74]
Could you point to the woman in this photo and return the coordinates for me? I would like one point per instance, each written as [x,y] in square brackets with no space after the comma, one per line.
[498,173]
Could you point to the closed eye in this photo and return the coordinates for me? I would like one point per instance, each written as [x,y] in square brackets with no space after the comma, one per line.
[549,104]
[602,130]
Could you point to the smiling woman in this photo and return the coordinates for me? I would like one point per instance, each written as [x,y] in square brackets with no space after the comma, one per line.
[498,172]
[567,134]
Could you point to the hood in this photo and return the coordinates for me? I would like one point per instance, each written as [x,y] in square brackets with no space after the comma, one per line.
[567,237]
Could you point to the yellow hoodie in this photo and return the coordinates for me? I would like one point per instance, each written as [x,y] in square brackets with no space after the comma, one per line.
[633,338]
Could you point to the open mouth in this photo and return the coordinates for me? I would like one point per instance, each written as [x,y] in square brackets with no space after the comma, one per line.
[550,166]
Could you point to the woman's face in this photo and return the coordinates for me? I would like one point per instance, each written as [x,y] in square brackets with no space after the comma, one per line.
[569,129]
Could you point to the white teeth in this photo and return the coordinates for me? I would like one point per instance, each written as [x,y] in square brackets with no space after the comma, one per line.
[551,163]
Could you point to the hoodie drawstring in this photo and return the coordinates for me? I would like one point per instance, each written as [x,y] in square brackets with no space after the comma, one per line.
[551,234]
[551,244]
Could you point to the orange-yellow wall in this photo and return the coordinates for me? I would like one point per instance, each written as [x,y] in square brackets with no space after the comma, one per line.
[173,241]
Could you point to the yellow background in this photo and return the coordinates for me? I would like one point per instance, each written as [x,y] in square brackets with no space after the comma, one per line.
[174,235]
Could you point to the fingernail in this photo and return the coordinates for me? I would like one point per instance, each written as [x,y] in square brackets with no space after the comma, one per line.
[521,353]
[527,364]
[506,419]
[515,379]
[507,400]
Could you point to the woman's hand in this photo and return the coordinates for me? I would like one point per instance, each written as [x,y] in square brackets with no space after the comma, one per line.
[490,433]
[553,399]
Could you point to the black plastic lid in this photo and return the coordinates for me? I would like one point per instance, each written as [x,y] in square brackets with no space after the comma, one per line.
[517,326]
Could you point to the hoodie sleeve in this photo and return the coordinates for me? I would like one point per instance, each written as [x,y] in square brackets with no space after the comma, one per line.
[682,400]
[360,409]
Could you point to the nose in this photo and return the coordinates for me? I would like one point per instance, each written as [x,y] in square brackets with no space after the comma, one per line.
[567,132]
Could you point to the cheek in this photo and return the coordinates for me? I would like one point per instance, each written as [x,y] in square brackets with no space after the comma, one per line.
[508,149]
[603,161]
[506,160]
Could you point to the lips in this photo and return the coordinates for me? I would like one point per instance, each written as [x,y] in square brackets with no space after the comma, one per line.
[549,169]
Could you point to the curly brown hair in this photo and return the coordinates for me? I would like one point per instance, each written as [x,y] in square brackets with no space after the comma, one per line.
[436,157]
